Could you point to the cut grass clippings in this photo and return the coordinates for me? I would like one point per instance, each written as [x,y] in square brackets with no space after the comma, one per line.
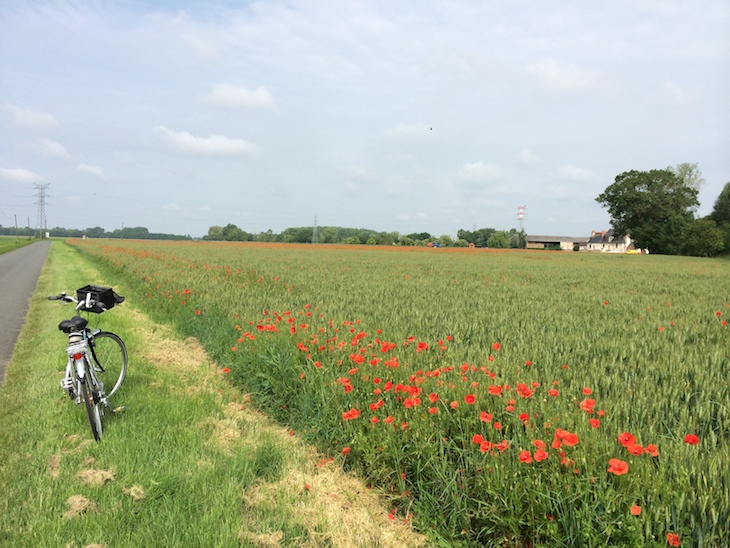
[188,463]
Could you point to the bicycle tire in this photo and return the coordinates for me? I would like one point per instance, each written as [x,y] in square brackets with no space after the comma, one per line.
[109,354]
[92,408]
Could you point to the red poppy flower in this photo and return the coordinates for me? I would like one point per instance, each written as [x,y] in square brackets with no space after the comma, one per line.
[539,444]
[587,391]
[226,370]
[469,399]
[486,446]
[433,410]
[485,417]
[454,404]
[595,423]
[477,438]
[618,467]
[351,414]
[345,450]
[570,439]
[496,346]
[652,450]
[525,457]
[389,420]
[626,438]
[587,405]
[673,539]
[635,510]
[691,439]
[635,449]
[552,392]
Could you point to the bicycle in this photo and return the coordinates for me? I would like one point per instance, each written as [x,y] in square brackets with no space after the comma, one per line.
[95,358]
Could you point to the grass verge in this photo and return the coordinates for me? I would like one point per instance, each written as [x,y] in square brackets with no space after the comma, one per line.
[8,243]
[189,463]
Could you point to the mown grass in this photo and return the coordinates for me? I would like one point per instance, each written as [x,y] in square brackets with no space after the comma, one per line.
[8,243]
[188,463]
[643,338]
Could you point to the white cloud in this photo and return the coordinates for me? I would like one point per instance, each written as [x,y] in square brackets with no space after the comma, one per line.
[51,149]
[94,171]
[29,119]
[480,171]
[215,145]
[573,173]
[528,158]
[422,216]
[404,131]
[564,78]
[230,96]
[20,175]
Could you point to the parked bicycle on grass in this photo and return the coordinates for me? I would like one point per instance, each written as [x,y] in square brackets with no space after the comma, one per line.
[97,359]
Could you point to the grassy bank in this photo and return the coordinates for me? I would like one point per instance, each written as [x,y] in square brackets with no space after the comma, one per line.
[8,243]
[188,463]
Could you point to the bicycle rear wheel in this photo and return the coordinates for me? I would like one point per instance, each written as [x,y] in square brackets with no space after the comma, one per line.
[92,407]
[110,360]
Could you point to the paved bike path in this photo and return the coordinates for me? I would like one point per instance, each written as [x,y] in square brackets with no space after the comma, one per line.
[19,272]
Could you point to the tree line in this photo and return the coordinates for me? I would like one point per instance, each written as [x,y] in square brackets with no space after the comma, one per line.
[484,237]
[126,233]
[657,208]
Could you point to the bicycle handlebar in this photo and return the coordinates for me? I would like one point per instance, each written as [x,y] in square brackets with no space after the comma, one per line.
[87,303]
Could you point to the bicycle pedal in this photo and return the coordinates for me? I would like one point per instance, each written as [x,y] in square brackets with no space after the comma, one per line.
[120,409]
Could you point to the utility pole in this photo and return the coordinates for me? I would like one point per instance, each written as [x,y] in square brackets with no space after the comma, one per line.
[41,221]
[315,232]
[17,237]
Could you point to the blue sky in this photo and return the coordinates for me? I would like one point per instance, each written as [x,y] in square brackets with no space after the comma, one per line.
[391,115]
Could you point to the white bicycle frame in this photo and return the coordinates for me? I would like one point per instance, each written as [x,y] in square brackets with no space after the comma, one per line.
[77,352]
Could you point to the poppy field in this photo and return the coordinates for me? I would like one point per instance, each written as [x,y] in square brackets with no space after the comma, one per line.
[496,398]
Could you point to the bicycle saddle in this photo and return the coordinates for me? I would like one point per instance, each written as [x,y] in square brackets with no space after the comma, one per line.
[77,323]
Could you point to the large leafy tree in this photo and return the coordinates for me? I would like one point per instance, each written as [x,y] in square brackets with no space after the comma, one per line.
[653,207]
[703,238]
[721,212]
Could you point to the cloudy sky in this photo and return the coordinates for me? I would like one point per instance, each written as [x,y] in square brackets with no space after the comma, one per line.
[384,114]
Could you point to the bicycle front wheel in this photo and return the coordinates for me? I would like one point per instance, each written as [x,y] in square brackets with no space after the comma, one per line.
[110,360]
[92,407]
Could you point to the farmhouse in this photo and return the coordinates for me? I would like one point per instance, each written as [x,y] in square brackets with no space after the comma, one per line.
[565,243]
[608,242]
[604,241]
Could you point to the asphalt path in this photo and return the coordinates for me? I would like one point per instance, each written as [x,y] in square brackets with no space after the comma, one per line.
[19,271]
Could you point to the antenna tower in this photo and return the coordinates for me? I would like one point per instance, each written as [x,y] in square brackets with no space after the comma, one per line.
[521,212]
[315,232]
[41,220]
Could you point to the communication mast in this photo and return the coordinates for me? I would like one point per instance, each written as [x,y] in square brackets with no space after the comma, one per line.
[315,232]
[521,212]
[41,220]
